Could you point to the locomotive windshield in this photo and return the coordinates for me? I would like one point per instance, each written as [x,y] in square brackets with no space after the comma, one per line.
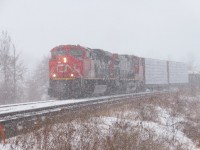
[59,52]
[76,53]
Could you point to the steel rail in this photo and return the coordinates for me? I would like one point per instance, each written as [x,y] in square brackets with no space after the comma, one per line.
[28,103]
[58,105]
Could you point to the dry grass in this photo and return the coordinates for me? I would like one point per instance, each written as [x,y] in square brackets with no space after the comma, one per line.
[87,129]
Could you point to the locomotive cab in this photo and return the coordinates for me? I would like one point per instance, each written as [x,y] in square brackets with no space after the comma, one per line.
[66,62]
[65,69]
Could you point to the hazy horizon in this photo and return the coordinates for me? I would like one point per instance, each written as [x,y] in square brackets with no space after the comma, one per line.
[154,29]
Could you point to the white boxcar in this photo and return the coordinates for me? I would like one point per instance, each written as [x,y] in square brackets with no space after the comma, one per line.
[177,72]
[156,71]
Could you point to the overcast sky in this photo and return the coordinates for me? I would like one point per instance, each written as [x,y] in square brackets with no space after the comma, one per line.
[159,29]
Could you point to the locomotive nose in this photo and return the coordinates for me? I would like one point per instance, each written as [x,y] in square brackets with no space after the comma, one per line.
[68,67]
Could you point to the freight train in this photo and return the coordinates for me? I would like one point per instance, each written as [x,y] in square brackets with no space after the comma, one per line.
[77,71]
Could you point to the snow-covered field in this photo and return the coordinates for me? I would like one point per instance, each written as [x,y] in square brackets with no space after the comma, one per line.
[169,122]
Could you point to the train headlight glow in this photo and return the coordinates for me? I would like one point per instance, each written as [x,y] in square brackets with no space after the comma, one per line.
[72,75]
[54,75]
[65,60]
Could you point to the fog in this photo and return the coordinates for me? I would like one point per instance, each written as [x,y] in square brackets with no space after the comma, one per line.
[147,28]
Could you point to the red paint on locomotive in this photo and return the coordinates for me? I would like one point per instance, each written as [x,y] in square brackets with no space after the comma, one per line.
[66,62]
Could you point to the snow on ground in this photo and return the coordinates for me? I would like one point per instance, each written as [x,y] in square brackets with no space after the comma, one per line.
[164,127]
[163,130]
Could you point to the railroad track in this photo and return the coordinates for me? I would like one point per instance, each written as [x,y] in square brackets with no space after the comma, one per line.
[18,118]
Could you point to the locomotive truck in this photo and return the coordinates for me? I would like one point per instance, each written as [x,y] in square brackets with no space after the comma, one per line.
[77,71]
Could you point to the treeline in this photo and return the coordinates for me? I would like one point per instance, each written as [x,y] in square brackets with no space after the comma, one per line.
[15,85]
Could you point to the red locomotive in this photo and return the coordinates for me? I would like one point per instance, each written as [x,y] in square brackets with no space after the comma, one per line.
[77,71]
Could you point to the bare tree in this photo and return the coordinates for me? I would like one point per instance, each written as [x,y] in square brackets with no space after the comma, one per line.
[11,71]
[37,83]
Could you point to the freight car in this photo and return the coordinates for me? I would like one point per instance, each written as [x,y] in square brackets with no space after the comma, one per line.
[76,71]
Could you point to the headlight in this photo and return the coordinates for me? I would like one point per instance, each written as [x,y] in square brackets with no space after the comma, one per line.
[65,60]
[54,75]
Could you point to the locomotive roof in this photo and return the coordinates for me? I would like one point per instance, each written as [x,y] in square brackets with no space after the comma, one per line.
[66,46]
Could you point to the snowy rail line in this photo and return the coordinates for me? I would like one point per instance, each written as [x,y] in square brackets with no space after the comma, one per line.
[17,118]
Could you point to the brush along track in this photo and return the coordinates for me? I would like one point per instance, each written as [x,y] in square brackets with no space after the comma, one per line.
[18,120]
